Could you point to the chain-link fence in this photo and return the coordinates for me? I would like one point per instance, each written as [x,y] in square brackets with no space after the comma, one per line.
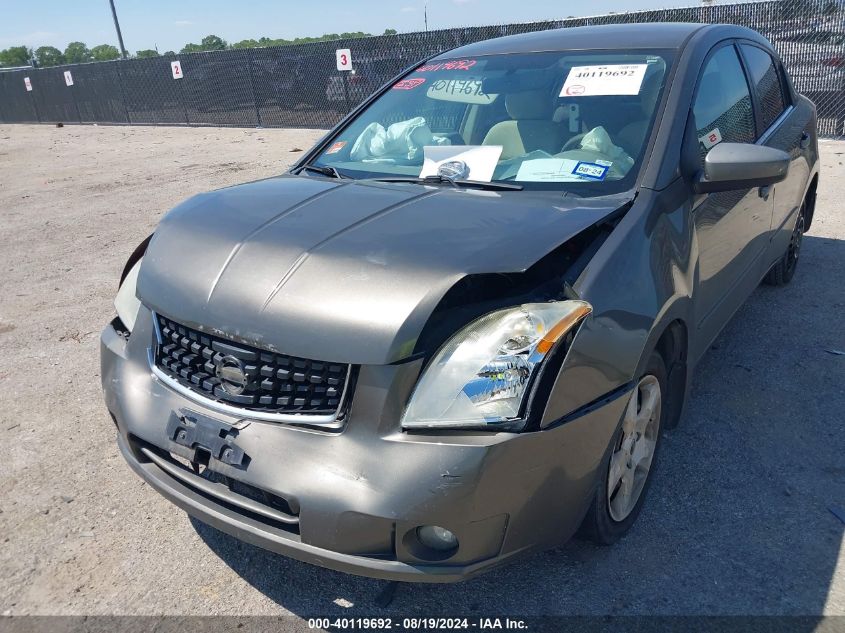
[300,86]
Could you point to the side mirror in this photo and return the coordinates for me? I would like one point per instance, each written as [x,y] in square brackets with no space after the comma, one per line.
[731,166]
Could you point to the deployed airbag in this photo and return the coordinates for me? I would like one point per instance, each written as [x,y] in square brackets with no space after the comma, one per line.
[401,141]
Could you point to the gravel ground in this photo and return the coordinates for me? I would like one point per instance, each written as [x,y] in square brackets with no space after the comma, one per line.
[738,521]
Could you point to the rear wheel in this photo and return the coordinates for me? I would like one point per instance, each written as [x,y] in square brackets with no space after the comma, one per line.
[626,472]
[783,271]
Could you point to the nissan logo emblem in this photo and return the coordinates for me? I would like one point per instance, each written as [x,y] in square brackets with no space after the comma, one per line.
[233,378]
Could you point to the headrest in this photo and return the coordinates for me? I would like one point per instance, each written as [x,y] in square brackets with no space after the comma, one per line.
[531,104]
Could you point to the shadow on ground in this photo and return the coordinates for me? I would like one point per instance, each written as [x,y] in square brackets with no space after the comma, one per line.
[740,518]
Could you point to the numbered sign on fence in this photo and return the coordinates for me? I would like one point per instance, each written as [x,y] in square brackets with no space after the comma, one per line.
[68,78]
[28,84]
[176,69]
[344,59]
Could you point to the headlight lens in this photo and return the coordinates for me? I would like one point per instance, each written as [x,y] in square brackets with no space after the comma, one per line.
[126,303]
[480,377]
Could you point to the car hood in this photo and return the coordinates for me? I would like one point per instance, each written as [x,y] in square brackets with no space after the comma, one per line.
[342,271]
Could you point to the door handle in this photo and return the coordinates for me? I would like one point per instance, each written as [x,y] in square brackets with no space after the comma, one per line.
[765,191]
[805,140]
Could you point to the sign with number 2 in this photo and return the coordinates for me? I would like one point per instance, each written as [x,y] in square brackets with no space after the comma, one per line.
[344,59]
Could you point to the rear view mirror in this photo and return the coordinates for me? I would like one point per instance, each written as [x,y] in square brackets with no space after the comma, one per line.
[731,166]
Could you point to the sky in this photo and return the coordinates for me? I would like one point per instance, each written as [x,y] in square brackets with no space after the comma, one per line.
[169,24]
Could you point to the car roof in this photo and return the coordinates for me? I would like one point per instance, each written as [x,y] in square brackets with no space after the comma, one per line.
[662,35]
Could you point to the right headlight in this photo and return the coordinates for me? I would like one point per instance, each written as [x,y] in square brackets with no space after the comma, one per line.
[481,376]
[126,303]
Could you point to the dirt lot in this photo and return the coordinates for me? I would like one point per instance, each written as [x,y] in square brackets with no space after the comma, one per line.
[739,520]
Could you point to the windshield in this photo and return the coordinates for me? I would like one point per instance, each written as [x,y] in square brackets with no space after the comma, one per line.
[570,121]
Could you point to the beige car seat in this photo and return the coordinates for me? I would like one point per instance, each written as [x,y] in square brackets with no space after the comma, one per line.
[632,136]
[531,126]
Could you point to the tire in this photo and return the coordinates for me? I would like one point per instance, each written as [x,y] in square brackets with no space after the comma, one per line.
[783,271]
[611,516]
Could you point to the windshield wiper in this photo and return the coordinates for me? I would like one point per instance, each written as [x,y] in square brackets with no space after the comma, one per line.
[436,180]
[331,172]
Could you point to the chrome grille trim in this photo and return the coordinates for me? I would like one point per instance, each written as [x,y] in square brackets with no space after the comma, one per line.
[329,421]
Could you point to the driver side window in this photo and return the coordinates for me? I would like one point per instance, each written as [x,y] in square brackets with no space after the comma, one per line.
[722,109]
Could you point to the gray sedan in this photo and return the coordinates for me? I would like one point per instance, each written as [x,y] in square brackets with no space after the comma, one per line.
[456,330]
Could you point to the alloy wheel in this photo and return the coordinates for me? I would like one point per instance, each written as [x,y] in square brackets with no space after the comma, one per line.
[634,451]
[795,241]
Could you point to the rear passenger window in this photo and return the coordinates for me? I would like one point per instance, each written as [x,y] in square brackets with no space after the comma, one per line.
[767,85]
[722,108]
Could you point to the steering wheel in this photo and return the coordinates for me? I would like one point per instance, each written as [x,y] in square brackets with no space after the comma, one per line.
[574,142]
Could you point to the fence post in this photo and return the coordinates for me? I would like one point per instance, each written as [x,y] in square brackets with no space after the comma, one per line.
[73,98]
[182,89]
[252,88]
[122,91]
[35,107]
[34,101]
[3,89]
[345,75]
[839,107]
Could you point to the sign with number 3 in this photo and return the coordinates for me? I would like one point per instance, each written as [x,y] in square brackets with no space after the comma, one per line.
[344,59]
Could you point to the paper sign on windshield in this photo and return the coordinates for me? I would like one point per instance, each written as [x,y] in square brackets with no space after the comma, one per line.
[561,170]
[480,160]
[598,81]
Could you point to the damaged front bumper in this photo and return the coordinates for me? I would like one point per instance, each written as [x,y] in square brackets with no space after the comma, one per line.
[352,499]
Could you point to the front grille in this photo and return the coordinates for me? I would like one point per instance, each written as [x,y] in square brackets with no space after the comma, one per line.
[273,383]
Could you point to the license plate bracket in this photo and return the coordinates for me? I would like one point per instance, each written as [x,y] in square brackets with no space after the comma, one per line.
[196,431]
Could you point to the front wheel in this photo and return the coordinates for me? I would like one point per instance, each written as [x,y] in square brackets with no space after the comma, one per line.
[626,473]
[783,271]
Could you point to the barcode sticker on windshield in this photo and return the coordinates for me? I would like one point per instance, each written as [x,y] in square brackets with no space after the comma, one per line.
[591,171]
[561,170]
[597,81]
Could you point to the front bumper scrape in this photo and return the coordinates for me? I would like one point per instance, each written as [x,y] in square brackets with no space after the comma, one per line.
[257,533]
[351,499]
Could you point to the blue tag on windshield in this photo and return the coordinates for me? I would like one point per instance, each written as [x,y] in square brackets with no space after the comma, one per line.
[591,171]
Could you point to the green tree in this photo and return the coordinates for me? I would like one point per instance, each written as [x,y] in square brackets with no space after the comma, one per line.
[245,44]
[15,56]
[213,43]
[208,43]
[147,52]
[389,32]
[77,53]
[104,53]
[268,41]
[49,56]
